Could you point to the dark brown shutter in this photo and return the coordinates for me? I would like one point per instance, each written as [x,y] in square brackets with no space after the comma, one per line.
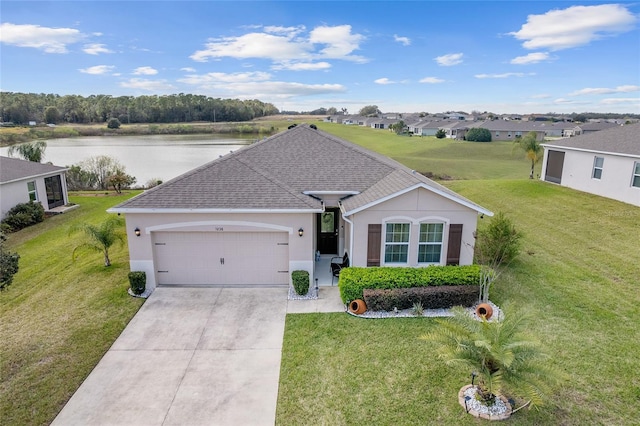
[373,244]
[455,244]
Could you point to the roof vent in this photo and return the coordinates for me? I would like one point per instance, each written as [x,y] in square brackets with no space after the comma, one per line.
[314,127]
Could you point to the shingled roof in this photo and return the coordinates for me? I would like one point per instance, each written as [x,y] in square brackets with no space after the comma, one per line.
[621,140]
[275,173]
[13,169]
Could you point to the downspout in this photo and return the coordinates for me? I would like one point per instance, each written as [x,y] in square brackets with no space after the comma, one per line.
[344,217]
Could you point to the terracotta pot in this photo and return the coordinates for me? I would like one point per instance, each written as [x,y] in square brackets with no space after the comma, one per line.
[484,310]
[358,307]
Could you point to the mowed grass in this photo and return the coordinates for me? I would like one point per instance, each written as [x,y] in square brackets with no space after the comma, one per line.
[446,158]
[577,275]
[59,317]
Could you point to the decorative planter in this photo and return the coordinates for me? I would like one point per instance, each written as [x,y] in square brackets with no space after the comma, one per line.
[357,307]
[501,411]
[484,310]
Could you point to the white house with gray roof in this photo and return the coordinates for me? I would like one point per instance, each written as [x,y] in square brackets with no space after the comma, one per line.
[23,181]
[257,214]
[605,163]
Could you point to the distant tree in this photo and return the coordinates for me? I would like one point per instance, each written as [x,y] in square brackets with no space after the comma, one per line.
[101,167]
[580,117]
[153,183]
[119,180]
[530,145]
[332,111]
[398,127]
[8,264]
[100,237]
[369,110]
[79,179]
[440,134]
[113,123]
[30,151]
[478,134]
[344,111]
[51,115]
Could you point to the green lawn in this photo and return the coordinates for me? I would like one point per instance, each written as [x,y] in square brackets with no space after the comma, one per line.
[578,274]
[59,317]
[442,157]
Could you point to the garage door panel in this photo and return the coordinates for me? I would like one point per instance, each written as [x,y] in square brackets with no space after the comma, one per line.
[212,258]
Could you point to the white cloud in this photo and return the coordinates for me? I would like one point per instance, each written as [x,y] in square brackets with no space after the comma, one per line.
[504,75]
[148,85]
[605,91]
[405,41]
[449,59]
[50,40]
[621,101]
[188,69]
[432,80]
[574,26]
[286,45]
[302,66]
[531,58]
[541,96]
[96,49]
[256,85]
[384,80]
[145,71]
[98,69]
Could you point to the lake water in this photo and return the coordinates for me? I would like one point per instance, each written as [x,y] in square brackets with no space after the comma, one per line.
[144,157]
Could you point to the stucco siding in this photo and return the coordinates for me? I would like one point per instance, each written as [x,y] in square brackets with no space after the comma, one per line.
[301,249]
[615,181]
[17,192]
[415,207]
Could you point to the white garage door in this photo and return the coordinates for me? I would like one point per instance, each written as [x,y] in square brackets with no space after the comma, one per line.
[221,258]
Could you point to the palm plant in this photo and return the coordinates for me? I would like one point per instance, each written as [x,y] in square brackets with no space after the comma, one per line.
[531,146]
[501,354]
[100,237]
[31,151]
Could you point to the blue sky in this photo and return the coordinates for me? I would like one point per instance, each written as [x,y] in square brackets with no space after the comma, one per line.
[500,56]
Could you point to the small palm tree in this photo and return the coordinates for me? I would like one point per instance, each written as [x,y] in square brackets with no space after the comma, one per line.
[500,353]
[31,151]
[531,146]
[101,237]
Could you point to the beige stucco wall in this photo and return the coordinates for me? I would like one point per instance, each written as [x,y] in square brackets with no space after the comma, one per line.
[417,206]
[616,175]
[301,249]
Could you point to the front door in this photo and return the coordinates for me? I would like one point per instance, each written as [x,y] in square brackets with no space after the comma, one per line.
[55,197]
[327,226]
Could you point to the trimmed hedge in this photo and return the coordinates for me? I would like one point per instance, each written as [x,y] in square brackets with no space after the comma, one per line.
[23,215]
[438,297]
[137,281]
[354,280]
[300,281]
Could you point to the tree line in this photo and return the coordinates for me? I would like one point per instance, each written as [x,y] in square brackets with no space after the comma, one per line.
[21,108]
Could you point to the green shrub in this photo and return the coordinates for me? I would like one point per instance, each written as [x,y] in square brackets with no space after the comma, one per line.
[478,134]
[353,281]
[137,281]
[113,123]
[300,282]
[420,298]
[8,264]
[499,243]
[22,215]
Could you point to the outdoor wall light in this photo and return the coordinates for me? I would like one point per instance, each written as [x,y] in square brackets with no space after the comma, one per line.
[300,232]
[137,232]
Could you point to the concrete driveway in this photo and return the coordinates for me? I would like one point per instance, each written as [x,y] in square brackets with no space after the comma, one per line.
[190,356]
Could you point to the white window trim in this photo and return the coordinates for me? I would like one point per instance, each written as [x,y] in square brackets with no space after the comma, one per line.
[445,232]
[593,170]
[636,165]
[34,192]
[385,243]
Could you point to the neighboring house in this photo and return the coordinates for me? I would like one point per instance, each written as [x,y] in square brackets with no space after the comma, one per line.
[21,181]
[605,163]
[586,128]
[503,130]
[382,123]
[259,213]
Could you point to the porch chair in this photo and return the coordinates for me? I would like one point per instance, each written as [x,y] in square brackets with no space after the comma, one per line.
[337,263]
